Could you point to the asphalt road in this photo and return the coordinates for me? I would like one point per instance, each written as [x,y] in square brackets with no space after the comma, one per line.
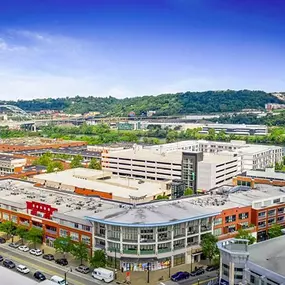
[203,279]
[48,268]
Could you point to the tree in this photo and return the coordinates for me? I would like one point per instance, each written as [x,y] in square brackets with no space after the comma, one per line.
[209,246]
[9,228]
[76,161]
[244,234]
[22,232]
[80,252]
[275,231]
[98,259]
[35,236]
[95,164]
[188,192]
[161,197]
[63,245]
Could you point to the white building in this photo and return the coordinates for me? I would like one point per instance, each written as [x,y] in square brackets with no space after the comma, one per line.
[236,129]
[10,164]
[163,162]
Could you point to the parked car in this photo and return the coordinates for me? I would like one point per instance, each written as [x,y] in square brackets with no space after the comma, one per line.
[58,280]
[61,261]
[39,276]
[9,264]
[212,267]
[48,257]
[82,269]
[198,271]
[23,248]
[23,269]
[2,240]
[36,252]
[103,274]
[14,245]
[180,276]
[1,258]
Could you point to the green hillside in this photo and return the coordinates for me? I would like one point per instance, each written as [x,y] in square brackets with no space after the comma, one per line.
[165,104]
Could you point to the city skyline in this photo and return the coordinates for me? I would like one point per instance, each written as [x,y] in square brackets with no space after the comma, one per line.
[134,48]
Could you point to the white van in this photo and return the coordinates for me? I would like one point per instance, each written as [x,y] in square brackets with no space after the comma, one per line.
[58,280]
[103,274]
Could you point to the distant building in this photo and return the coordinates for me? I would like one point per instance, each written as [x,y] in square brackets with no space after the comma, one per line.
[273,106]
[10,164]
[236,129]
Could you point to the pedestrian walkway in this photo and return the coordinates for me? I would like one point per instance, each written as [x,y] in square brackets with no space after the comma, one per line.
[155,277]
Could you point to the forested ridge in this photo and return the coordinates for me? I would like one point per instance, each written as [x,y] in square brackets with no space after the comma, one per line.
[165,104]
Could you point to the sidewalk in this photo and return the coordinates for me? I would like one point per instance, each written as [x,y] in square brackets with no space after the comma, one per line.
[140,278]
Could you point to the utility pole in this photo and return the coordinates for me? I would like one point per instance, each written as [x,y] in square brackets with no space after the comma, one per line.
[169,268]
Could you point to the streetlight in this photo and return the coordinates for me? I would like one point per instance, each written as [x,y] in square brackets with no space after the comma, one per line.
[198,281]
[148,269]
[65,275]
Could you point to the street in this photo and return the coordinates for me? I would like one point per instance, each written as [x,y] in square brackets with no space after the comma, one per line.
[202,279]
[48,268]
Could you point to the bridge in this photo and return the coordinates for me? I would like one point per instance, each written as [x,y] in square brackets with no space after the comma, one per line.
[15,110]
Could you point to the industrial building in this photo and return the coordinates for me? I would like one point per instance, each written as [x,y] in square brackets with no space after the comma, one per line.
[260,263]
[90,182]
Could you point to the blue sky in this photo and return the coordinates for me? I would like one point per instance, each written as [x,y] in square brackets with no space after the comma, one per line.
[124,48]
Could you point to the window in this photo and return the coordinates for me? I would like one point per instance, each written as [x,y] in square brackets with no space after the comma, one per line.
[63,233]
[243,216]
[280,219]
[230,219]
[271,221]
[6,216]
[86,228]
[218,221]
[217,232]
[261,215]
[179,259]
[281,210]
[86,239]
[74,236]
[231,229]
[276,201]
[147,234]
[272,212]
[76,225]
[14,219]
[238,277]
[130,234]
[261,224]
[252,279]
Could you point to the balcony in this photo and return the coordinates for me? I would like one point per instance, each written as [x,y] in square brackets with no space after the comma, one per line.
[178,246]
[147,252]
[114,238]
[37,227]
[163,250]
[130,251]
[24,223]
[144,240]
[113,249]
[179,235]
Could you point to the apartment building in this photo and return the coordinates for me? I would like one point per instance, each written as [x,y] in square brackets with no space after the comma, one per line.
[260,263]
[236,129]
[10,164]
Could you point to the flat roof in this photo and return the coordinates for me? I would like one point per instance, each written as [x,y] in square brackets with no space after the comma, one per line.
[236,126]
[154,214]
[147,154]
[271,174]
[7,157]
[118,186]
[269,254]
[16,193]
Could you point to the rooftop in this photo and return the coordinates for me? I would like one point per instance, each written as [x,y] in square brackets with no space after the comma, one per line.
[7,157]
[158,213]
[15,193]
[269,254]
[268,173]
[104,181]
